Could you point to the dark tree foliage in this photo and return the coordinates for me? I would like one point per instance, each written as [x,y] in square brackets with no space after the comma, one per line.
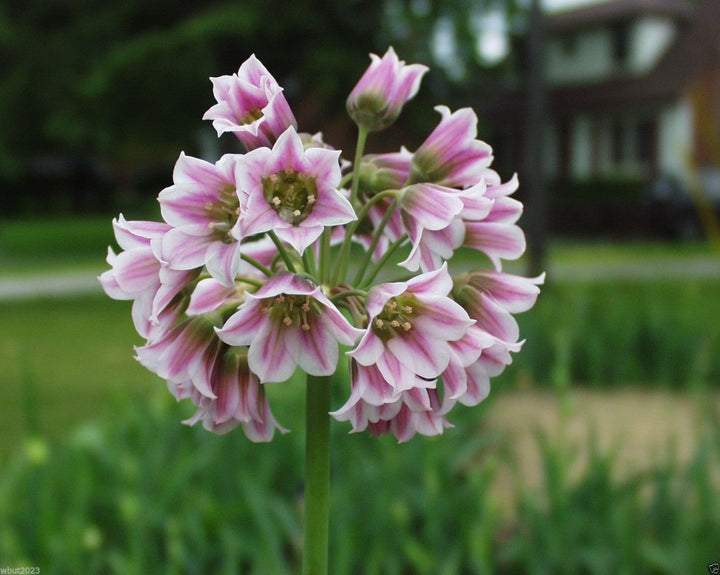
[125,82]
[128,79]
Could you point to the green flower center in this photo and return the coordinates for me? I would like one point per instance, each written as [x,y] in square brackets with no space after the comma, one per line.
[291,194]
[224,213]
[251,116]
[396,317]
[292,310]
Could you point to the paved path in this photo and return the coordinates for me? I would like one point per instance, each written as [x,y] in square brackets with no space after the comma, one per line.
[56,285]
[62,285]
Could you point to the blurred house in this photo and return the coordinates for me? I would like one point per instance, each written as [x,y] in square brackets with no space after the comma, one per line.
[632,102]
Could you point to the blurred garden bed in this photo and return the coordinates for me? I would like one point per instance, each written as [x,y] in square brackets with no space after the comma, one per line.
[597,451]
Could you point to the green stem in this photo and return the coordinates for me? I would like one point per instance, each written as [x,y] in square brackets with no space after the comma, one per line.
[253,262]
[359,149]
[317,476]
[376,238]
[282,251]
[325,255]
[383,260]
[352,226]
[308,258]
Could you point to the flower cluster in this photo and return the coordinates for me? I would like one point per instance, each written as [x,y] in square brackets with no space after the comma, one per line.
[267,260]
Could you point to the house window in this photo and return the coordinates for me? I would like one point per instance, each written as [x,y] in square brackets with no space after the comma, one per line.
[620,35]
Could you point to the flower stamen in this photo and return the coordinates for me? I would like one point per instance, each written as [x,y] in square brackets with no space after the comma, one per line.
[394,317]
[291,310]
[292,195]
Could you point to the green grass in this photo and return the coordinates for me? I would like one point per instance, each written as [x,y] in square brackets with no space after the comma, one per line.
[140,493]
[98,475]
[34,246]
[65,361]
[652,332]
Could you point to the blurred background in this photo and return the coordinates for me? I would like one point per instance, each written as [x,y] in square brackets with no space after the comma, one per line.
[598,450]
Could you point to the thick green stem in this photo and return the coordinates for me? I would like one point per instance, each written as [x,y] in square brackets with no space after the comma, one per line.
[317,476]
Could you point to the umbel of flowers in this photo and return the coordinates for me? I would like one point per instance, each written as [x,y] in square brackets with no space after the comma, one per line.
[250,275]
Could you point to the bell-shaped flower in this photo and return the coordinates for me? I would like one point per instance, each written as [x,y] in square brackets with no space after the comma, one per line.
[430,215]
[203,207]
[451,155]
[287,323]
[492,297]
[251,105]
[185,354]
[379,96]
[411,325]
[238,399]
[375,405]
[292,191]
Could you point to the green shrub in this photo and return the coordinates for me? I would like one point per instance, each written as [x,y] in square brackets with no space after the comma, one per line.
[611,333]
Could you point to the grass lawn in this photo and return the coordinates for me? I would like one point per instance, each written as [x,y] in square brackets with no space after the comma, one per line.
[64,361]
[33,246]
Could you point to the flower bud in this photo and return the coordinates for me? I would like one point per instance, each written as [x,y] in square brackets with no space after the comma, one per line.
[388,83]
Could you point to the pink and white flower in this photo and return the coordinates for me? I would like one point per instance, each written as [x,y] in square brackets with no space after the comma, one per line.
[431,215]
[410,329]
[203,208]
[491,297]
[139,274]
[375,405]
[238,399]
[451,155]
[292,191]
[497,234]
[379,172]
[386,86]
[429,343]
[289,323]
[251,105]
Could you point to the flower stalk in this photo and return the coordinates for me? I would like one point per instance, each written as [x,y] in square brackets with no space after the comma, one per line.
[317,476]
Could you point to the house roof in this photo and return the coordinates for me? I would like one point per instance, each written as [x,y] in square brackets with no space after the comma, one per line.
[694,50]
[613,11]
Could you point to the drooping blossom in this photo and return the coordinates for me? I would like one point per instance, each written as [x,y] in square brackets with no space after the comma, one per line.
[428,208]
[238,399]
[185,354]
[380,172]
[451,155]
[289,323]
[379,96]
[251,105]
[203,208]
[491,298]
[376,405]
[292,191]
